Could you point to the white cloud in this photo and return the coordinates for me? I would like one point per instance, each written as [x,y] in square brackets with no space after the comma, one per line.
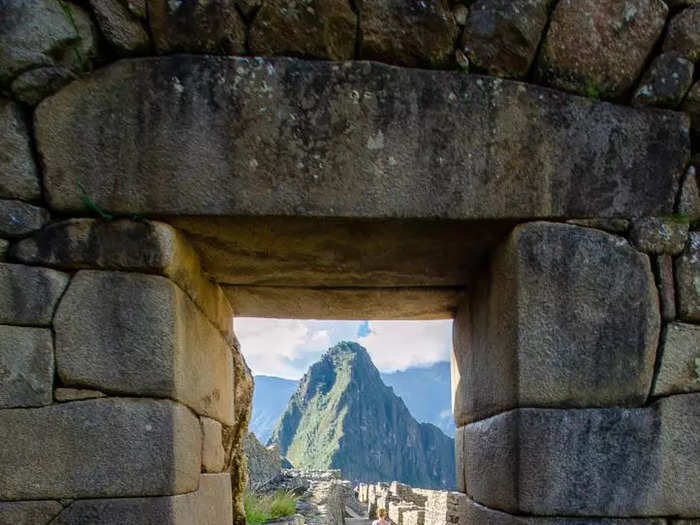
[286,347]
[397,345]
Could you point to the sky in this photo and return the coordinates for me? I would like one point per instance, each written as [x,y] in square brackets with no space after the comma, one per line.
[286,347]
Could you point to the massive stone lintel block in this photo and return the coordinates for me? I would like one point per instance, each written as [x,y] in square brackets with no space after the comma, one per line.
[563,317]
[140,334]
[99,448]
[195,135]
[615,462]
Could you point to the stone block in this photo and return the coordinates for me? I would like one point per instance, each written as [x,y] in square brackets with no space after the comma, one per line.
[556,160]
[502,36]
[660,235]
[18,218]
[28,512]
[612,225]
[691,105]
[99,448]
[33,86]
[28,295]
[20,178]
[63,395]
[599,47]
[562,317]
[305,28]
[134,246]
[585,463]
[402,34]
[120,27]
[689,201]
[26,366]
[4,247]
[665,83]
[687,268]
[212,445]
[663,267]
[213,27]
[140,334]
[679,371]
[683,35]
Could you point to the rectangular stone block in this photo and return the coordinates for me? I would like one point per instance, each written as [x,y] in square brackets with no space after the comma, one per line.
[20,179]
[140,334]
[613,462]
[687,268]
[28,512]
[99,448]
[563,316]
[28,295]
[679,371]
[26,366]
[18,218]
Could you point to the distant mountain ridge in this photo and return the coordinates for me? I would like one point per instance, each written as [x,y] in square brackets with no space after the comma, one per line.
[343,416]
[270,398]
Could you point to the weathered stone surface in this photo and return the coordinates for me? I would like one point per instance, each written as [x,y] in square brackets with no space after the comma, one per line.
[101,448]
[360,148]
[122,30]
[61,34]
[263,463]
[584,463]
[598,48]
[28,295]
[687,268]
[683,35]
[196,27]
[611,225]
[660,235]
[460,12]
[212,445]
[135,246]
[679,371]
[63,395]
[137,7]
[210,505]
[689,201]
[563,317]
[32,86]
[344,303]
[140,334]
[18,218]
[502,36]
[26,366]
[28,512]
[419,34]
[304,28]
[476,514]
[20,179]
[691,105]
[667,287]
[4,247]
[666,82]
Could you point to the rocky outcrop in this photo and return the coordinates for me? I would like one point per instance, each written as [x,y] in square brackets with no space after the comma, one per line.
[342,416]
[264,464]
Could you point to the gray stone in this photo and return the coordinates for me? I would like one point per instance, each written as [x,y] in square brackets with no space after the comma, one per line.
[20,179]
[210,505]
[196,27]
[28,295]
[33,86]
[304,28]
[4,247]
[212,446]
[594,462]
[371,159]
[28,512]
[667,287]
[611,225]
[57,37]
[683,34]
[502,36]
[679,371]
[599,47]
[460,12]
[665,83]
[687,268]
[63,395]
[563,317]
[404,34]
[689,201]
[26,366]
[122,30]
[101,448]
[691,105]
[264,464]
[18,218]
[135,246]
[140,334]
[660,235]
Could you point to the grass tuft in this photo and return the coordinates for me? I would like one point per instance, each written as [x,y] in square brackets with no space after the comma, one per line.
[259,509]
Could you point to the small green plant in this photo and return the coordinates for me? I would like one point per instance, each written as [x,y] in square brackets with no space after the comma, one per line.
[592,91]
[262,508]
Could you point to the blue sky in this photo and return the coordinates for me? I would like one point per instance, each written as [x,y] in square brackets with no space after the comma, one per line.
[286,347]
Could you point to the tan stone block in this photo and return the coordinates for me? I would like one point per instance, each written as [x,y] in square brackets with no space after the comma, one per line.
[63,395]
[679,371]
[212,445]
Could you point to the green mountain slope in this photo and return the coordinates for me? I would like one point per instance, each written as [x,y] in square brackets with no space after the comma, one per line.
[343,416]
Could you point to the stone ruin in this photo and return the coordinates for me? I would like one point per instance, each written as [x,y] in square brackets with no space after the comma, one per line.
[526,167]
